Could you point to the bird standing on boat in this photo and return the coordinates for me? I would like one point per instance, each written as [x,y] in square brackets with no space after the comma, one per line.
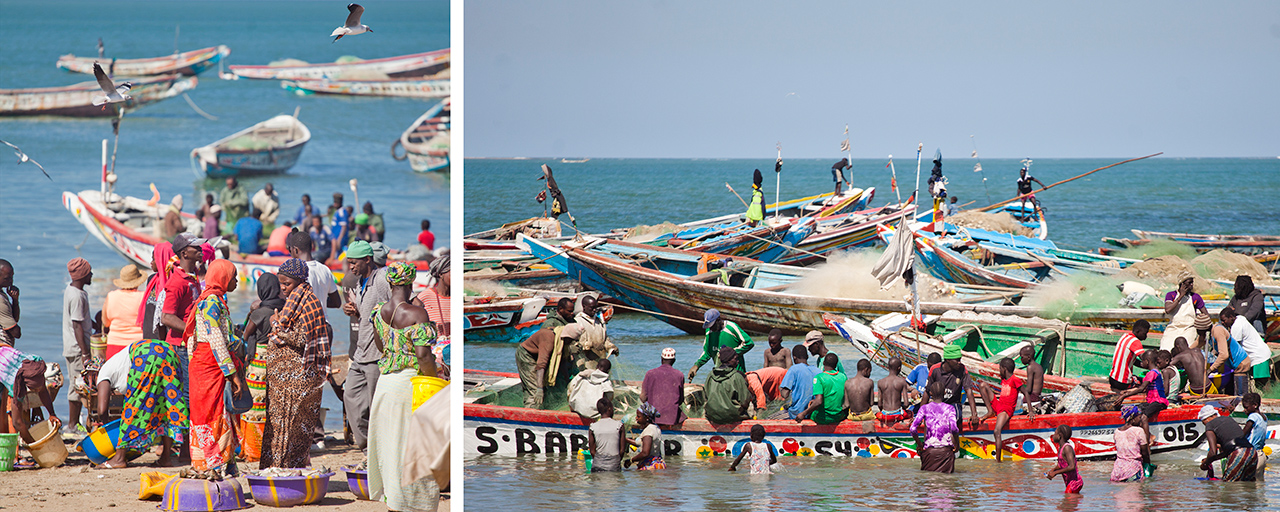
[23,158]
[113,94]
[353,26]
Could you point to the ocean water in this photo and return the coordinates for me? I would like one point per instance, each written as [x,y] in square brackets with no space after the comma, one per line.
[351,137]
[1226,195]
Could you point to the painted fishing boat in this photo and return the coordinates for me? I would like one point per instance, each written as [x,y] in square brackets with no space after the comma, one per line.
[425,89]
[426,142]
[1247,244]
[946,264]
[504,321]
[839,233]
[189,63]
[77,100]
[667,284]
[419,65]
[493,429]
[269,147]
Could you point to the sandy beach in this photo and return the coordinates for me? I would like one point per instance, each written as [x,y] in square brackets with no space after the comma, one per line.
[76,486]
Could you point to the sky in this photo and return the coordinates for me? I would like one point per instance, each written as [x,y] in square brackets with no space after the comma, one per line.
[734,79]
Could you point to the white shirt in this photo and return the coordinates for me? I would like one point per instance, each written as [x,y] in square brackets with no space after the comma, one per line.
[116,370]
[321,280]
[1244,333]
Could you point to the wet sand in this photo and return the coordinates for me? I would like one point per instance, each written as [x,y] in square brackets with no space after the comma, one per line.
[76,486]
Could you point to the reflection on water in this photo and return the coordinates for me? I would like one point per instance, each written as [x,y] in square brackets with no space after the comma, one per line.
[493,483]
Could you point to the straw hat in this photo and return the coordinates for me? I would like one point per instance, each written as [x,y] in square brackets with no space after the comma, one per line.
[130,278]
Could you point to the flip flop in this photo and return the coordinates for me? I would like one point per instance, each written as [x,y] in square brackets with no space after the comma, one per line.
[107,465]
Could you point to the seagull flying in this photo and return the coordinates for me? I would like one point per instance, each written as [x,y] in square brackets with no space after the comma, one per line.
[353,25]
[112,93]
[23,158]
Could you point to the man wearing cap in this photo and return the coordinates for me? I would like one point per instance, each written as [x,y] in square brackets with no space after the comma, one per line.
[77,327]
[10,313]
[540,356]
[248,231]
[1182,306]
[797,384]
[721,333]
[362,376]
[818,348]
[728,395]
[234,200]
[664,388]
[267,203]
[362,229]
[1226,440]
[955,382]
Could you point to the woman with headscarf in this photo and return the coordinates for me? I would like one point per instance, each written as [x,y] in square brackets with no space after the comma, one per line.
[1247,302]
[257,333]
[162,262]
[211,343]
[405,334]
[297,362]
[435,299]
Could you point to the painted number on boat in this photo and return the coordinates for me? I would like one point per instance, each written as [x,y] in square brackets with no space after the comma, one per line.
[1183,432]
[525,441]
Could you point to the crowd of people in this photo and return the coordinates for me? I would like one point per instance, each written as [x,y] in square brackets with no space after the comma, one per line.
[928,402]
[213,390]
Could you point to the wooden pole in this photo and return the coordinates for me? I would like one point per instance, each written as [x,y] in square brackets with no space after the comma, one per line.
[1022,196]
[735,192]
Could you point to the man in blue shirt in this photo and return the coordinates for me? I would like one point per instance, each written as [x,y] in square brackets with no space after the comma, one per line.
[919,375]
[248,232]
[339,218]
[797,384]
[305,212]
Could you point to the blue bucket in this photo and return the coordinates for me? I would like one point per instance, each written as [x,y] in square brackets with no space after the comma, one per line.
[100,444]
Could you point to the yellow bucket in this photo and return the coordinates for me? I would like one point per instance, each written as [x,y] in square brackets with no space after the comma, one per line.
[48,450]
[425,387]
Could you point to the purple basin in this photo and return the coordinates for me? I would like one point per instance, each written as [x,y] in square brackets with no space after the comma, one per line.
[287,491]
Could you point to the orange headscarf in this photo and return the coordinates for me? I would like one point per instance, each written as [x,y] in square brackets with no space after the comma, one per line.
[217,279]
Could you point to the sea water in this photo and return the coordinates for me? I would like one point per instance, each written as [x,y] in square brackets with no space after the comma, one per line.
[351,137]
[1221,195]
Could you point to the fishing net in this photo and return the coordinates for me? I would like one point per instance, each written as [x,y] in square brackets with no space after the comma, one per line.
[484,288]
[1162,272]
[248,143]
[287,62]
[1001,222]
[644,233]
[1062,299]
[1157,248]
[348,59]
[1226,265]
[847,275]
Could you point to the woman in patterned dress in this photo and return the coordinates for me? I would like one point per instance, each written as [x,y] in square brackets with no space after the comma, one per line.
[210,344]
[297,361]
[405,334]
[154,406]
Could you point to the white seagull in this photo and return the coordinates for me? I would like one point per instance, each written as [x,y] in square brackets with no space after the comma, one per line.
[353,25]
[112,93]
[23,158]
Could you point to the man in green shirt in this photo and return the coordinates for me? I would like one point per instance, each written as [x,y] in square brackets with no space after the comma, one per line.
[728,395]
[827,405]
[375,221]
[235,201]
[721,333]
[562,316]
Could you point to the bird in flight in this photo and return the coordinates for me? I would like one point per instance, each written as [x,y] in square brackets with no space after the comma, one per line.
[23,158]
[112,93]
[353,26]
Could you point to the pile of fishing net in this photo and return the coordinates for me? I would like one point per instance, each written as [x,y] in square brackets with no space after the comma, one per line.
[1226,265]
[1001,222]
[644,233]
[1166,269]
[287,62]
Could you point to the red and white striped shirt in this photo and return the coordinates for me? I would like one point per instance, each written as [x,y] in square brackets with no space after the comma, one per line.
[1127,349]
[437,310]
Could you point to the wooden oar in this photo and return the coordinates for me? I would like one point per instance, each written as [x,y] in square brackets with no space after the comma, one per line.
[735,192]
[1022,196]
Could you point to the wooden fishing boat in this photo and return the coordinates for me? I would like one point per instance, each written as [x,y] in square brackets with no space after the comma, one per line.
[426,142]
[505,321]
[77,100]
[666,283]
[425,89]
[492,426]
[947,265]
[419,65]
[269,147]
[838,233]
[186,63]
[1247,244]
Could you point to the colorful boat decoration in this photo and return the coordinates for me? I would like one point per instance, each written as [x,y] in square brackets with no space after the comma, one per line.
[426,142]
[416,66]
[505,321]
[269,147]
[77,100]
[424,89]
[186,63]
[491,429]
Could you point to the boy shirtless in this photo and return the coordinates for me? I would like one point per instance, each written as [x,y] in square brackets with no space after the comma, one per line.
[893,395]
[1003,405]
[859,393]
[776,354]
[1192,363]
[1035,378]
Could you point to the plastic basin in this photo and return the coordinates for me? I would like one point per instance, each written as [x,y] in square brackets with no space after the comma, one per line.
[287,491]
[358,482]
[426,387]
[100,444]
[190,495]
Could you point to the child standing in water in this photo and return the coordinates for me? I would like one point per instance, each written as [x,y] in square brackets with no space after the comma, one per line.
[649,457]
[1066,461]
[1132,451]
[605,439]
[761,454]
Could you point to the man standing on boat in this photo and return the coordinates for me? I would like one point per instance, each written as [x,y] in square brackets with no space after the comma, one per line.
[1128,348]
[721,333]
[593,345]
[1024,188]
[1182,306]
[663,387]
[755,211]
[235,201]
[954,378]
[562,316]
[267,203]
[837,174]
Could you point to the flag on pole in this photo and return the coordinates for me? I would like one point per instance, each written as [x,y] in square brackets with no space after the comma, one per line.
[844,146]
[977,167]
[897,258]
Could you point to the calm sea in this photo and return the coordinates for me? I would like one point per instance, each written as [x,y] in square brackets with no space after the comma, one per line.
[351,137]
[1162,194]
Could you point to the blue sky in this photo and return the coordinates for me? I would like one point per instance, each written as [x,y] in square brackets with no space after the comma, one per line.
[712,79]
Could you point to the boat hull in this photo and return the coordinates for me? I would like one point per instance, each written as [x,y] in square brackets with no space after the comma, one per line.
[401,67]
[77,100]
[242,163]
[187,63]
[423,89]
